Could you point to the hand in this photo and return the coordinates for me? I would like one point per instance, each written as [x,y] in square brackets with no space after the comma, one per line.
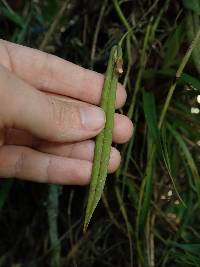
[48,115]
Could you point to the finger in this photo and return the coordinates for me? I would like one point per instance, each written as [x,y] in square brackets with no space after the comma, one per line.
[83,150]
[25,108]
[123,129]
[55,74]
[28,164]
[25,163]
[123,126]
[122,132]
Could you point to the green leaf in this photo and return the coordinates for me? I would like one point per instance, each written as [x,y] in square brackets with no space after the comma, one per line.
[146,189]
[170,72]
[20,34]
[193,5]
[189,158]
[192,248]
[167,162]
[149,107]
[13,16]
[172,46]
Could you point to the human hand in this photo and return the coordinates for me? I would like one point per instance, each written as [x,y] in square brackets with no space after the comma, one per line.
[48,115]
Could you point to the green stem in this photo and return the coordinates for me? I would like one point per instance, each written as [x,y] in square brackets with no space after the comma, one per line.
[124,20]
[178,75]
[142,64]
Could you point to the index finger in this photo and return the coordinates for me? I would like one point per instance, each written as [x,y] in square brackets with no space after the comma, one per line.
[53,74]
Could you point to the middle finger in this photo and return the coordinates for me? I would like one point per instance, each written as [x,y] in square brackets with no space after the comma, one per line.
[122,131]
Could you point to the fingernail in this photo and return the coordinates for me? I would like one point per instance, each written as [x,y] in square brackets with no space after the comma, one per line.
[92,118]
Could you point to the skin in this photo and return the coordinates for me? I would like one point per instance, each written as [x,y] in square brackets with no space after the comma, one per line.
[49,115]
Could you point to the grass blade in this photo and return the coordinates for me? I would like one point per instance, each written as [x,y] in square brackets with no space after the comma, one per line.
[189,158]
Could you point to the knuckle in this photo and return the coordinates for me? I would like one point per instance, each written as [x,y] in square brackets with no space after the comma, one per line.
[63,116]
[58,115]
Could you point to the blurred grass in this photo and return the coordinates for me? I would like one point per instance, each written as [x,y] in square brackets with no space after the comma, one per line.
[143,222]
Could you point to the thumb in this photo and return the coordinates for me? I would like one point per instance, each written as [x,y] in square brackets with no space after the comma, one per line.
[24,107]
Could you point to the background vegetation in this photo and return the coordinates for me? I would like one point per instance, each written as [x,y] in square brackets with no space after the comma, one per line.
[150,213]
